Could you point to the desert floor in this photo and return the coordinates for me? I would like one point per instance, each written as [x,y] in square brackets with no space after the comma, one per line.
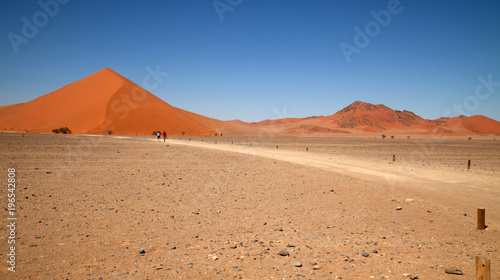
[225,207]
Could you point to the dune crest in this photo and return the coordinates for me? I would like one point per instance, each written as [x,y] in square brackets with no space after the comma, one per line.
[105,101]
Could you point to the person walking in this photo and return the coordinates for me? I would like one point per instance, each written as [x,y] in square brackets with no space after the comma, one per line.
[158,134]
[164,136]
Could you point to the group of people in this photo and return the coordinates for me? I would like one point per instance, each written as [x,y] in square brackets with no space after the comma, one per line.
[159,134]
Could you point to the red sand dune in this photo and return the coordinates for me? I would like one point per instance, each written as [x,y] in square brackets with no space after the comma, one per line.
[107,101]
[362,117]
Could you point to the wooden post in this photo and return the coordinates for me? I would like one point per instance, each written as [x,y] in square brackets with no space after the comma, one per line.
[481,218]
[307,149]
[482,268]
[468,164]
[393,157]
[276,147]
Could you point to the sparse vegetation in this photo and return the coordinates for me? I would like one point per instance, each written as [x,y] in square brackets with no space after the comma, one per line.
[383,136]
[470,138]
[63,130]
[392,136]
[183,132]
[109,132]
[408,137]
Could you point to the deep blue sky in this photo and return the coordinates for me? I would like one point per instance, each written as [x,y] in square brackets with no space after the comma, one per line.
[265,59]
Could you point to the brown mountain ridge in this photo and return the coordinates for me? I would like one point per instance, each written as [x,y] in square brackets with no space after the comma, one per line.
[362,117]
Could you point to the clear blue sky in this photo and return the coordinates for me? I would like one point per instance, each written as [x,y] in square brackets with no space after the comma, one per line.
[260,59]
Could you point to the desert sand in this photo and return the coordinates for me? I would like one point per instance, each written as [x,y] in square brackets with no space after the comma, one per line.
[106,207]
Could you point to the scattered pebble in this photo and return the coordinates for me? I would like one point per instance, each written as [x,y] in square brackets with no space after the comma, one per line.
[284,253]
[366,255]
[399,208]
[142,251]
[297,264]
[454,270]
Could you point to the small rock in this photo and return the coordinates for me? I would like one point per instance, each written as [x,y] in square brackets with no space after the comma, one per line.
[409,200]
[142,251]
[284,253]
[332,190]
[454,270]
[399,208]
[366,255]
[375,251]
[297,264]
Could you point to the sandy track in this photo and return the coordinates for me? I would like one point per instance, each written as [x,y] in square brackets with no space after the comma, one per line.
[473,188]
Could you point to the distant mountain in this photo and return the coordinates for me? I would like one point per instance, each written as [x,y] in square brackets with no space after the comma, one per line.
[361,117]
[104,101]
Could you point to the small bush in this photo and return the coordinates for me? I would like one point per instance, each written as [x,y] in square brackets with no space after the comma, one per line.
[392,137]
[383,136]
[109,132]
[63,130]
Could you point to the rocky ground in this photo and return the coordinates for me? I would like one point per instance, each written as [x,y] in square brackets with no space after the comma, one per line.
[92,207]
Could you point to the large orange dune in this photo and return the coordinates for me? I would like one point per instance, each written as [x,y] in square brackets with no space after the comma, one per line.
[105,101]
[362,117]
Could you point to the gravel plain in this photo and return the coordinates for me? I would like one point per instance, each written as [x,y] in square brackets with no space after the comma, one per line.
[111,207]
